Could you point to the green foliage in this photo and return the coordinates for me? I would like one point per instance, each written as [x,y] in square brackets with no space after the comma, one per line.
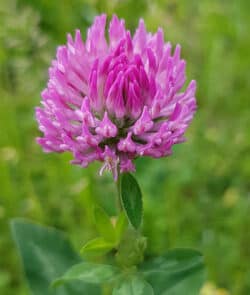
[131,199]
[133,285]
[130,251]
[104,225]
[111,234]
[176,272]
[46,254]
[198,197]
[49,260]
[179,271]
[120,226]
[97,247]
[89,273]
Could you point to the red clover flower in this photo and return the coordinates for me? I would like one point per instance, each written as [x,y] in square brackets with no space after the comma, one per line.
[115,100]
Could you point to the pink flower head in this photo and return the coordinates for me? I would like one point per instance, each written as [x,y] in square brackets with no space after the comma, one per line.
[114,100]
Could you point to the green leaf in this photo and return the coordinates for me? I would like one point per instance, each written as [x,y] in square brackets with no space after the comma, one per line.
[191,285]
[104,225]
[46,254]
[98,246]
[89,273]
[177,270]
[131,199]
[133,285]
[120,226]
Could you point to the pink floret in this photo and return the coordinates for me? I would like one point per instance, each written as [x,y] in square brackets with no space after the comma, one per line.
[115,100]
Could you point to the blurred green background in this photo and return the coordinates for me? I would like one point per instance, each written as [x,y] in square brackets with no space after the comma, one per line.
[199,197]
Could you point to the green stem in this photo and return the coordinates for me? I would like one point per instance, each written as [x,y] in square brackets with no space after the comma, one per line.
[119,201]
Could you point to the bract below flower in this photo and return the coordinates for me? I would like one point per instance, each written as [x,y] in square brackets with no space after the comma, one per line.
[114,100]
